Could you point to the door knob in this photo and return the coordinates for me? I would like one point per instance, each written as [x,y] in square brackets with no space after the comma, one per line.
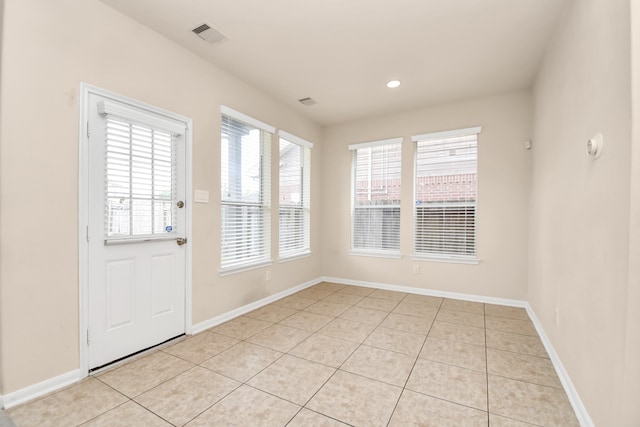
[181,241]
[180,204]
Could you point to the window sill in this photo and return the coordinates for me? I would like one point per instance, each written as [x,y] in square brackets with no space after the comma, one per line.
[294,257]
[447,259]
[244,267]
[391,255]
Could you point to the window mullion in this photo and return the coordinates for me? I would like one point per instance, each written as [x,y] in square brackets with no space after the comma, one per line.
[153,182]
[130,127]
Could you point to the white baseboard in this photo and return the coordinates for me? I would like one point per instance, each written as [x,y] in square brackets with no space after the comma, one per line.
[40,389]
[578,407]
[428,292]
[215,321]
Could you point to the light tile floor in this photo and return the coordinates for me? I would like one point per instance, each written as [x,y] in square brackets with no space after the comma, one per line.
[331,355]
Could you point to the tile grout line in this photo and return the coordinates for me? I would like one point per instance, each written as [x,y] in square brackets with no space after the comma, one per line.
[132,399]
[486,361]
[376,327]
[240,383]
[345,360]
[303,406]
[338,368]
[353,352]
[102,413]
[148,409]
[404,387]
[245,382]
[456,366]
[417,357]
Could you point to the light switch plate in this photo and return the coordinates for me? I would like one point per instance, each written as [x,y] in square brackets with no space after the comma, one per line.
[201,196]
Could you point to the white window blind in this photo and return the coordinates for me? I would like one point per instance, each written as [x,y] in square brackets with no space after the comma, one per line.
[376,197]
[295,196]
[140,181]
[245,192]
[446,194]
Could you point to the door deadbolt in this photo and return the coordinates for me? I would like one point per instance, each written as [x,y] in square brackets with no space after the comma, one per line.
[181,241]
[180,204]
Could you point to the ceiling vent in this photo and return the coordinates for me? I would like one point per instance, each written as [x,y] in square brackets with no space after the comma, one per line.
[208,33]
[307,101]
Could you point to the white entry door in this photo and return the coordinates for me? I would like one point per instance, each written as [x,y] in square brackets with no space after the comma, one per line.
[136,233]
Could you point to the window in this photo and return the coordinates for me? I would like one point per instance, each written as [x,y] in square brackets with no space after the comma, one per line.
[446,194]
[295,188]
[245,191]
[140,173]
[376,197]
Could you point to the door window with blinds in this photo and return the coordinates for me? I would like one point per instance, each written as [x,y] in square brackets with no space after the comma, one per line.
[140,175]
[445,214]
[376,198]
[294,196]
[245,191]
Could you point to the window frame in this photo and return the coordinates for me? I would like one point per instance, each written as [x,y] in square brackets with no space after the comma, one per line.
[443,256]
[118,114]
[364,251]
[305,198]
[266,136]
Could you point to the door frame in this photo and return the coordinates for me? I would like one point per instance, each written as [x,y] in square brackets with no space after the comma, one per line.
[86,91]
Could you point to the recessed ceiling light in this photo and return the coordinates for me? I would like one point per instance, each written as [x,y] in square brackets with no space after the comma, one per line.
[393,84]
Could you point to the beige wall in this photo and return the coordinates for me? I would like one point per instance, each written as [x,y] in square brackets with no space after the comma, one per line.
[579,244]
[503,192]
[49,48]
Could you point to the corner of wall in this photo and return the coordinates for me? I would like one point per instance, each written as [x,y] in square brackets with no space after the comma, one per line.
[578,273]
[574,398]
[1,103]
[629,410]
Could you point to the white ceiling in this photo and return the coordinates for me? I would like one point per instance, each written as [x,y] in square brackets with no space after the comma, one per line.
[342,52]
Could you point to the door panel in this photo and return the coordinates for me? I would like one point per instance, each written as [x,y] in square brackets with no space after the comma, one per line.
[120,294]
[162,278]
[137,271]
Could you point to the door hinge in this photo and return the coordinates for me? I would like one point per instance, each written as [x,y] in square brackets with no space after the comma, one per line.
[88,133]
[88,338]
[87,233]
